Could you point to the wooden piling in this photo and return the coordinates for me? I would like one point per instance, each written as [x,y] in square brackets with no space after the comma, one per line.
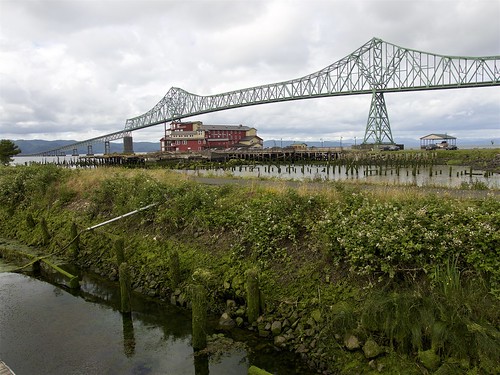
[75,244]
[124,287]
[30,222]
[45,232]
[199,317]
[253,295]
[119,251]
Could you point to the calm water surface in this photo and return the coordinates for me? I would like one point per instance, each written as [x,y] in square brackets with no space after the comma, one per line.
[46,330]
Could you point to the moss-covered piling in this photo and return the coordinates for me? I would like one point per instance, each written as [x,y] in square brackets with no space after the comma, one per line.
[253,295]
[199,317]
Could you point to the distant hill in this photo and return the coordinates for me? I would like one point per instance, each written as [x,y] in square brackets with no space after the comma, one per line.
[35,146]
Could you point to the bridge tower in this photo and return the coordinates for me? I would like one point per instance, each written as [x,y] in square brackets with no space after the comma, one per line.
[378,128]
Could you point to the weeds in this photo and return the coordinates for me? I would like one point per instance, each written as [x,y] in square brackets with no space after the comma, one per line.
[393,248]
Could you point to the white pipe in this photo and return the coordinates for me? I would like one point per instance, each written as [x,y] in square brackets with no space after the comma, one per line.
[120,217]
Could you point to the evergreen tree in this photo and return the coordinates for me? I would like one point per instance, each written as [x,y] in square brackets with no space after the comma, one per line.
[7,150]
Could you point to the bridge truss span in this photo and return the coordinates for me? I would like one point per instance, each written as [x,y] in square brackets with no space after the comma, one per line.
[375,68]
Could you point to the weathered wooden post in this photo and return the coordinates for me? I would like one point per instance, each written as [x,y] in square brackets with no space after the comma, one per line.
[45,232]
[199,317]
[124,287]
[30,222]
[75,244]
[253,295]
[175,269]
[119,251]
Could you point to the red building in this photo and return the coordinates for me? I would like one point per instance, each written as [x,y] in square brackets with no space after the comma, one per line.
[194,136]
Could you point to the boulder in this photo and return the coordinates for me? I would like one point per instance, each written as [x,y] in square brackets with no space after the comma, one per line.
[276,328]
[226,322]
[316,315]
[351,342]
[279,341]
[429,359]
[371,349]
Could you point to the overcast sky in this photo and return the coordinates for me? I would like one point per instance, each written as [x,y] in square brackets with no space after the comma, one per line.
[77,69]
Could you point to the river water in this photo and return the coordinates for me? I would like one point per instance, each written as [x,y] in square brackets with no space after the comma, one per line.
[435,176]
[45,329]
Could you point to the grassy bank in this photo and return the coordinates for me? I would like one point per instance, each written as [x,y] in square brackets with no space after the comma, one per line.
[356,281]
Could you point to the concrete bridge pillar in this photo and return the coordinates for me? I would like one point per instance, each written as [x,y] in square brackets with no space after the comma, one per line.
[107,148]
[128,145]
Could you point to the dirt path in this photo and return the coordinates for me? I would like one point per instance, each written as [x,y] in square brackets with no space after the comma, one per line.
[318,186]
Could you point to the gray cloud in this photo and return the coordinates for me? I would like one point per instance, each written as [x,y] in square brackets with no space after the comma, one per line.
[79,69]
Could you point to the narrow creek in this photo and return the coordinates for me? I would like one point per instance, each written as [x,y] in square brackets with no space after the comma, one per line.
[46,328]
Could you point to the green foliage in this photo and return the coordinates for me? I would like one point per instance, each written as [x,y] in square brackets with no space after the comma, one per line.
[386,257]
[119,194]
[7,150]
[22,186]
[448,317]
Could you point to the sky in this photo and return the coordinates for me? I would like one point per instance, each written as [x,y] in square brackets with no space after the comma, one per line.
[77,69]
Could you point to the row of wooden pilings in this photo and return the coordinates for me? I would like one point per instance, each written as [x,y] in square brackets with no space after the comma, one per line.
[199,298]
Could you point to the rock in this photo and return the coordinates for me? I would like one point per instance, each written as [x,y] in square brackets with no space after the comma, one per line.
[429,359]
[301,349]
[316,315]
[351,342]
[239,321]
[372,364]
[309,332]
[253,370]
[263,333]
[276,328]
[173,299]
[371,349]
[280,341]
[230,304]
[240,312]
[226,322]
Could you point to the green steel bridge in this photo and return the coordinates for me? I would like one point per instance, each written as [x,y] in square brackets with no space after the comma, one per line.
[375,68]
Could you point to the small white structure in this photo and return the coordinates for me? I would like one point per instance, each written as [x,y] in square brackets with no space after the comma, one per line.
[436,141]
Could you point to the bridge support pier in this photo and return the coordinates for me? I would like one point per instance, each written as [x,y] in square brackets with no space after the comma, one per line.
[107,148]
[378,128]
[128,145]
[90,152]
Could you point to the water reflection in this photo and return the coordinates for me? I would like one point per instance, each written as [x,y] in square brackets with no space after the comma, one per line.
[51,330]
[128,335]
[437,175]
[201,366]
